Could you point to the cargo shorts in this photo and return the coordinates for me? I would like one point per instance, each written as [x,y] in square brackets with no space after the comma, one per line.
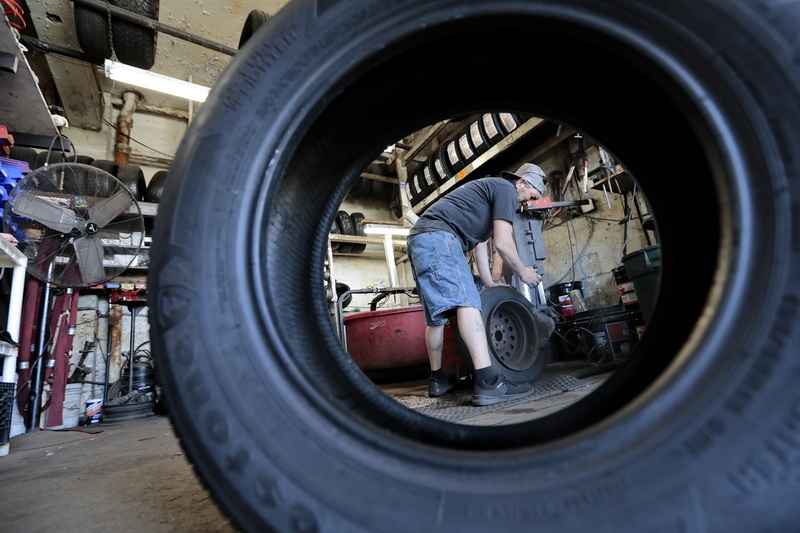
[442,274]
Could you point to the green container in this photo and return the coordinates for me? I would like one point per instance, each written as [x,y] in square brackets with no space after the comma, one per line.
[644,269]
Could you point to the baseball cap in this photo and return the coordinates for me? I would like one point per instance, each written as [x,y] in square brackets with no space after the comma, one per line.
[531,173]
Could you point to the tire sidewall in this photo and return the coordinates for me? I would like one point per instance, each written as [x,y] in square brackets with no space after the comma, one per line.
[623,468]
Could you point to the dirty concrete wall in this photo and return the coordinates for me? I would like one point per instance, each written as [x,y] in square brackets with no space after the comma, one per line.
[158,136]
[91,327]
[588,245]
[108,326]
[369,268]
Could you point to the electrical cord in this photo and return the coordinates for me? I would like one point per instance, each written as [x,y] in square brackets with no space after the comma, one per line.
[582,251]
[627,227]
[110,125]
[580,261]
[14,11]
[575,347]
[60,137]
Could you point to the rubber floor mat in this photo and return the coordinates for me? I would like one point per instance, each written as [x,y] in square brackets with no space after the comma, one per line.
[459,406]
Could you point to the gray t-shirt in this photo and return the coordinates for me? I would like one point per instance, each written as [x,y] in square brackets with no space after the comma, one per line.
[470,210]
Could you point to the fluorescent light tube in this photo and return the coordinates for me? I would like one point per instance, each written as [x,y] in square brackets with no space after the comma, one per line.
[373,229]
[156,82]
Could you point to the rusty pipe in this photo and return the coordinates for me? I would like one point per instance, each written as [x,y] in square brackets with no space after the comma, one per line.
[122,148]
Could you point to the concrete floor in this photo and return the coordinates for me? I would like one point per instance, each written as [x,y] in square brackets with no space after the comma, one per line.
[135,477]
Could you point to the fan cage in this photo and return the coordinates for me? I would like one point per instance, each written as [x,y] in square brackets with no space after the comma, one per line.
[53,247]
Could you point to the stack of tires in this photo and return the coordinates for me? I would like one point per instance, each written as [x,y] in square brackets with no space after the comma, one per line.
[130,175]
[455,154]
[348,224]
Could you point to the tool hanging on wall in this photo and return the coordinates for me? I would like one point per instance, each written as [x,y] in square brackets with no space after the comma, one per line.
[80,371]
[577,158]
[585,173]
[567,180]
[579,155]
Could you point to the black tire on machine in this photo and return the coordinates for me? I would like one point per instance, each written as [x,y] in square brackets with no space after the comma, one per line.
[517,335]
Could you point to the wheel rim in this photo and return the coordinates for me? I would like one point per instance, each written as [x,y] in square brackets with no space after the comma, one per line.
[510,328]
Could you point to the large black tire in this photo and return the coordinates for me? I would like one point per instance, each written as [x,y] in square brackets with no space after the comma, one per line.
[51,157]
[112,168]
[345,225]
[698,431]
[106,165]
[359,230]
[255,19]
[92,29]
[135,45]
[442,166]
[516,332]
[23,153]
[155,187]
[129,412]
[133,178]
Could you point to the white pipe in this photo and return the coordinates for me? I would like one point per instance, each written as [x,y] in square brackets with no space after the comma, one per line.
[388,249]
[14,314]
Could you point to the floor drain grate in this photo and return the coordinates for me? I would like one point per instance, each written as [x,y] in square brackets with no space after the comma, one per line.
[459,406]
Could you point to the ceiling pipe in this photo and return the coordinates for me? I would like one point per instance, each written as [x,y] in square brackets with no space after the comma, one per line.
[49,48]
[122,148]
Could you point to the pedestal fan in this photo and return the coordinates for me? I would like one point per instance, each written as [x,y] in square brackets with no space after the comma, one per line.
[80,227]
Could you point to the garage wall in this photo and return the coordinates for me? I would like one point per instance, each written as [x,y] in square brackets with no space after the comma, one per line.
[589,244]
[369,268]
[599,235]
[158,137]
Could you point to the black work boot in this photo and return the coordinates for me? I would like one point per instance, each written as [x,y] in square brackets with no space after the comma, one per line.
[437,385]
[501,391]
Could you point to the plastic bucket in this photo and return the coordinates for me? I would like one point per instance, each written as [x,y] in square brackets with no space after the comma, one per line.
[70,413]
[559,296]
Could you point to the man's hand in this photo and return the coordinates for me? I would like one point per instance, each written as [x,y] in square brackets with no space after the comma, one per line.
[530,276]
